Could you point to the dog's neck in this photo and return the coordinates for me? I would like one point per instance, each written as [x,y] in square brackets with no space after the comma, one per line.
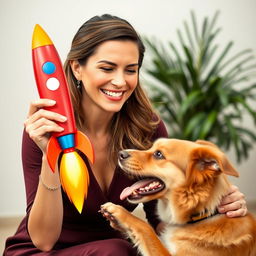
[167,214]
[201,216]
[184,207]
[166,211]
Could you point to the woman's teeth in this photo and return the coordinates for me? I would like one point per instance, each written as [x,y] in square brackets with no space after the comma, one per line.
[112,94]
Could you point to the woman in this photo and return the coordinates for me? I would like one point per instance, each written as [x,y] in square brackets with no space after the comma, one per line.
[110,107]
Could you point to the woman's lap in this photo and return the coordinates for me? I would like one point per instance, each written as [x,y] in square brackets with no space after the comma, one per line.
[108,247]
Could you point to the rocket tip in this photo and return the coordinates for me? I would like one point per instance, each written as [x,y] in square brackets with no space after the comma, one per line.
[40,37]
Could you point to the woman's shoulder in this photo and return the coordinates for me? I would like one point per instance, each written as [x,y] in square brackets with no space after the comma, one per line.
[160,131]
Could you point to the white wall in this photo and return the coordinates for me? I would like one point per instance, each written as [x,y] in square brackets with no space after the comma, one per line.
[61,19]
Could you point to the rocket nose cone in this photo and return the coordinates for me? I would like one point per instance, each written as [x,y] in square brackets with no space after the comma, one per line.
[40,38]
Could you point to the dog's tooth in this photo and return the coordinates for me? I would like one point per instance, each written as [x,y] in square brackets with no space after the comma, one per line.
[154,184]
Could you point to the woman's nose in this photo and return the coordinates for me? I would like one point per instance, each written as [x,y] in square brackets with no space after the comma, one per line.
[118,80]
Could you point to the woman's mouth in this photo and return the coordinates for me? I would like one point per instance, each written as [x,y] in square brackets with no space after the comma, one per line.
[113,95]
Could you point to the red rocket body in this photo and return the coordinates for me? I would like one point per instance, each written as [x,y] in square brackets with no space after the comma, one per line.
[54,85]
[51,84]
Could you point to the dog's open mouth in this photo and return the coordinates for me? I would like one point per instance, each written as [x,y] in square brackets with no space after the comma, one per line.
[142,188]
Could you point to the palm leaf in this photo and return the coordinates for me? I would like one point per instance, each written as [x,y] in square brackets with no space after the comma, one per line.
[201,91]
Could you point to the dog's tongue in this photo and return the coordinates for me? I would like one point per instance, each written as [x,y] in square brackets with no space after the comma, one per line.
[139,184]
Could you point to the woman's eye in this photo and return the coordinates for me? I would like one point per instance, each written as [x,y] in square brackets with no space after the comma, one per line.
[131,71]
[107,69]
[158,155]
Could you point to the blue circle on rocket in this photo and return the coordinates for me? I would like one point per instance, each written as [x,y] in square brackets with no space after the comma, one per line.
[49,68]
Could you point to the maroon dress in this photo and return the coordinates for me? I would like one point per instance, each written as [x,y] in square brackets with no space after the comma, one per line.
[87,233]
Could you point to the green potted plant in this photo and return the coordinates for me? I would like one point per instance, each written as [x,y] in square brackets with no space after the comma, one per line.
[201,92]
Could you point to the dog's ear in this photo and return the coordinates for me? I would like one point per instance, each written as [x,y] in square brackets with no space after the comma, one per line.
[211,158]
[205,142]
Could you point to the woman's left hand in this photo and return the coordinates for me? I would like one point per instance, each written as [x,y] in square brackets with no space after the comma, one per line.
[233,204]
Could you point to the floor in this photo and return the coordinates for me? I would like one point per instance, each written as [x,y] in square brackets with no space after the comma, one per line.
[9,225]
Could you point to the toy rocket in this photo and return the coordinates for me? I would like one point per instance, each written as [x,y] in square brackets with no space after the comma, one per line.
[51,84]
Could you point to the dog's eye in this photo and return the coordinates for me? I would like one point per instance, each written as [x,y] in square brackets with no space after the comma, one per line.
[158,155]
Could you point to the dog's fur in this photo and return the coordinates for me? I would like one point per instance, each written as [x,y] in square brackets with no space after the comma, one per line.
[194,175]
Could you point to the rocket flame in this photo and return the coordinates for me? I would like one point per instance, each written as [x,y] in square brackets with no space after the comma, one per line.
[74,178]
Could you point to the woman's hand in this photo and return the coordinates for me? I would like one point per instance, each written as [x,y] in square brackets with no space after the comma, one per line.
[41,122]
[233,204]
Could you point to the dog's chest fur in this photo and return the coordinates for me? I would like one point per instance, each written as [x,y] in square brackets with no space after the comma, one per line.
[167,215]
[165,211]
[166,238]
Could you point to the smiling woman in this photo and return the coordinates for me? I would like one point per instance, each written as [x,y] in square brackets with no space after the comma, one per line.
[110,107]
[109,77]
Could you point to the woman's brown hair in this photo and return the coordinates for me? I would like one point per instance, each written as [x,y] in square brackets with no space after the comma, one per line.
[135,124]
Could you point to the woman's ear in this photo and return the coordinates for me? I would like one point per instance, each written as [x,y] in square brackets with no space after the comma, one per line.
[76,68]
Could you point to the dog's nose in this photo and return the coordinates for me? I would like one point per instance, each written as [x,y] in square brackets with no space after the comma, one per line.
[123,155]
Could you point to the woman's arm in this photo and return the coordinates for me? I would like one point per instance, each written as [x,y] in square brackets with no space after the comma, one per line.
[42,185]
[46,214]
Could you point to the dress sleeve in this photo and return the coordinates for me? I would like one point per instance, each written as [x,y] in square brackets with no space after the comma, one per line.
[150,207]
[32,162]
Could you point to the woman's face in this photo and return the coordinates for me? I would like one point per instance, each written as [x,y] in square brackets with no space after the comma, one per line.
[110,75]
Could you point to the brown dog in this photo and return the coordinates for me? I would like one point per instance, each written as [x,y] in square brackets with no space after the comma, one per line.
[189,180]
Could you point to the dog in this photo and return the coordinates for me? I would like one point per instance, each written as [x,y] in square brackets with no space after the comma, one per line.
[188,179]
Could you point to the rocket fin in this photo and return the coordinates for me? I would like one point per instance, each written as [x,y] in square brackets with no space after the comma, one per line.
[84,145]
[53,152]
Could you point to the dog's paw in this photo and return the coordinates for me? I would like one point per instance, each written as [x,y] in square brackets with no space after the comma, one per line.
[116,214]
[107,211]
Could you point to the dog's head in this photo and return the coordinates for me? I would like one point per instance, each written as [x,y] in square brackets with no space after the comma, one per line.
[171,164]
